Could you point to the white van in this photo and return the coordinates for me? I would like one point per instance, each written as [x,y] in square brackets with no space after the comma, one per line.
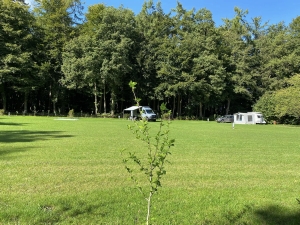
[148,113]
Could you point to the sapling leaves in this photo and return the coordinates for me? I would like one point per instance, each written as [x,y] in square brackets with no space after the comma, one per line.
[158,147]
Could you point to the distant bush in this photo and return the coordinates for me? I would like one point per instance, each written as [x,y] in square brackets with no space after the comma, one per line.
[126,115]
[1,112]
[105,115]
[71,113]
[166,116]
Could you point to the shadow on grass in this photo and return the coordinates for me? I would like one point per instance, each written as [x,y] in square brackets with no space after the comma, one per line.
[269,215]
[5,152]
[90,209]
[278,215]
[10,123]
[29,136]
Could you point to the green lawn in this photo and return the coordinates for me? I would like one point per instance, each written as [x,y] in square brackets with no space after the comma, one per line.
[71,172]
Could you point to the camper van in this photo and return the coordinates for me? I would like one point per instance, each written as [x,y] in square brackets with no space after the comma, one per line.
[249,118]
[148,113]
[141,111]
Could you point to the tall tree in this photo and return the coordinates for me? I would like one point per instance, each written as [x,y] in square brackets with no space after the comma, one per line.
[208,72]
[275,50]
[57,18]
[190,67]
[239,58]
[18,51]
[114,32]
[81,66]
[154,26]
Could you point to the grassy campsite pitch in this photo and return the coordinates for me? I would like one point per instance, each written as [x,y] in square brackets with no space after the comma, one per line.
[71,172]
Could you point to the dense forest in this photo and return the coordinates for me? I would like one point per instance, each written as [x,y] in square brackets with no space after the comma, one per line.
[54,58]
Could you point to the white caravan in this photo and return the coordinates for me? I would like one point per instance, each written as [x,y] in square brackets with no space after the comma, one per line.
[249,118]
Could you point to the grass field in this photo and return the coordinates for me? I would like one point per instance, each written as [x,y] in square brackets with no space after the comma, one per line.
[71,172]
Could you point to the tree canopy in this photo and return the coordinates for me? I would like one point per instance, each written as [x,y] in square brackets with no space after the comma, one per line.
[53,58]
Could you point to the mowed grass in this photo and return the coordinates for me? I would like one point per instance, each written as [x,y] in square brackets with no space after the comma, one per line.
[71,172]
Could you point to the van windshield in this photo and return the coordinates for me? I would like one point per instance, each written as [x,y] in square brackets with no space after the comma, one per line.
[149,111]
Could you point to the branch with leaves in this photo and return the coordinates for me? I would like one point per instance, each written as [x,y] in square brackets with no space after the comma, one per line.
[158,148]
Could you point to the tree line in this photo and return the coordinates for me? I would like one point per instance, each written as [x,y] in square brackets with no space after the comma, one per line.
[54,58]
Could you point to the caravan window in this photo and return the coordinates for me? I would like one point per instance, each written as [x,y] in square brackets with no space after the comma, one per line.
[258,116]
[239,117]
[250,118]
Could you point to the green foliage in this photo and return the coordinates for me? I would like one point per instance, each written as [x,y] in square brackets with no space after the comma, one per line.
[57,19]
[48,54]
[165,112]
[20,50]
[266,105]
[153,164]
[100,56]
[287,106]
[282,105]
[2,112]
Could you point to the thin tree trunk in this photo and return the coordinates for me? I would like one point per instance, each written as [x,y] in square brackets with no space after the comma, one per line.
[50,96]
[200,110]
[100,104]
[54,107]
[104,99]
[3,95]
[54,100]
[149,208]
[113,100]
[25,102]
[179,105]
[173,111]
[154,104]
[96,99]
[228,105]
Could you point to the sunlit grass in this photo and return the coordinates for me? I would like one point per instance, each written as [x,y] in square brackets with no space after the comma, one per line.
[71,172]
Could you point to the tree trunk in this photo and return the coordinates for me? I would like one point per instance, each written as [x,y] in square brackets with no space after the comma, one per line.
[173,110]
[53,96]
[154,104]
[3,95]
[200,110]
[104,99]
[113,100]
[96,100]
[228,105]
[100,104]
[54,107]
[179,106]
[50,97]
[25,102]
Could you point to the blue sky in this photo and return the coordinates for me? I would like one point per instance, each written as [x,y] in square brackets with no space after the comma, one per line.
[273,11]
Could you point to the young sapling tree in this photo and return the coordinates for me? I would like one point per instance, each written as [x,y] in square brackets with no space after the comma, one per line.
[152,163]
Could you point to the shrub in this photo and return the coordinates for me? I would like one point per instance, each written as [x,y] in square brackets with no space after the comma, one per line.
[105,115]
[266,104]
[126,115]
[166,116]
[71,113]
[1,112]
